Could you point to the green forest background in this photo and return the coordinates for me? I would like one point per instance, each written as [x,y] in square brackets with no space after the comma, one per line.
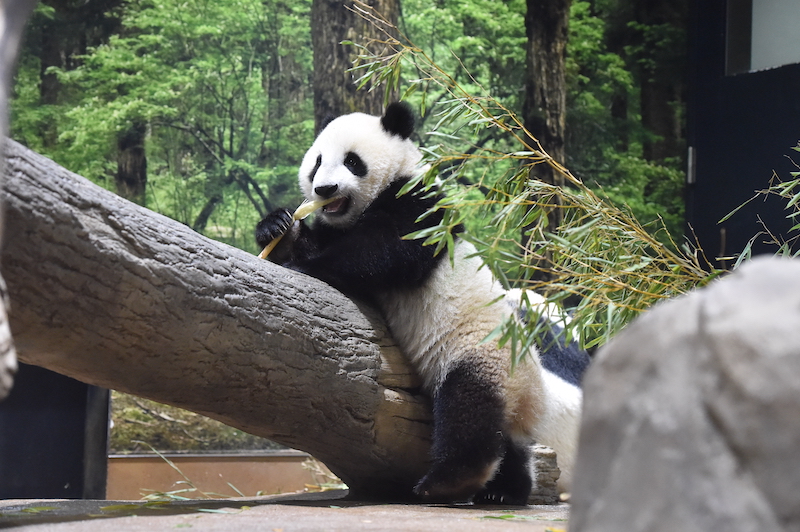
[216,99]
[202,111]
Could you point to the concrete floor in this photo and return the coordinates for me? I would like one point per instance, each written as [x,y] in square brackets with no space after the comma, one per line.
[283,513]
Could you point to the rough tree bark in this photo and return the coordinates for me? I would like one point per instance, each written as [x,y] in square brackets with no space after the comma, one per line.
[115,295]
[544,107]
[545,103]
[131,176]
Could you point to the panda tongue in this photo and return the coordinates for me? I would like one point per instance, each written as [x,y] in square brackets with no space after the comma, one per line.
[336,205]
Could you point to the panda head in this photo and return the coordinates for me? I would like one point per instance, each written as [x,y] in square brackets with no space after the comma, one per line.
[355,158]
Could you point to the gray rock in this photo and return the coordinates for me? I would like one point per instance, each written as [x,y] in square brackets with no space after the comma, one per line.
[545,473]
[692,414]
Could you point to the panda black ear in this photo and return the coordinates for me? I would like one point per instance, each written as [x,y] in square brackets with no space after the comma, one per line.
[398,119]
[327,119]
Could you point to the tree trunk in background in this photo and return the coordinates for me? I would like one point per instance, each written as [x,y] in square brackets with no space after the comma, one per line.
[544,107]
[660,118]
[58,42]
[334,91]
[545,103]
[617,36]
[73,28]
[661,78]
[201,221]
[131,176]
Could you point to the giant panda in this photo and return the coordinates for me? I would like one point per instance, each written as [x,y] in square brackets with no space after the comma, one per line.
[439,311]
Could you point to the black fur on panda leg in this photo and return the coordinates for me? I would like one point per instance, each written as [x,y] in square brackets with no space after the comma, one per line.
[468,442]
[512,483]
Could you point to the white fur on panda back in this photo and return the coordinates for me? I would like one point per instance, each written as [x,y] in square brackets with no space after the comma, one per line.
[435,322]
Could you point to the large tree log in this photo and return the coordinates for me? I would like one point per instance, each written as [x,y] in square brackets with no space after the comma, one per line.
[115,295]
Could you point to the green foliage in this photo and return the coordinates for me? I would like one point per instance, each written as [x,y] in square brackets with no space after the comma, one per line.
[224,90]
[604,130]
[485,54]
[651,191]
[601,263]
[486,37]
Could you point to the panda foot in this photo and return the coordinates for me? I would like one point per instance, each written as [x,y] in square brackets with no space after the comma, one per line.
[512,483]
[492,497]
[449,487]
[441,492]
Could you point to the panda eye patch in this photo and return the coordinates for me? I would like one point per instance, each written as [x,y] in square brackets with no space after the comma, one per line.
[316,167]
[354,163]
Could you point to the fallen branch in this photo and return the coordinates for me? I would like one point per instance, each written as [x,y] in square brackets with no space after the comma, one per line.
[115,295]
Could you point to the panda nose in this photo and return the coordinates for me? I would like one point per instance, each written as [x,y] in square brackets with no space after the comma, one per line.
[326,191]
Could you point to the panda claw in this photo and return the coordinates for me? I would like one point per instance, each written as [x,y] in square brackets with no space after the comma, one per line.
[275,224]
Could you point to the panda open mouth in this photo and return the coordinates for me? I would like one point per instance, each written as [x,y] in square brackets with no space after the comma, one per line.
[337,206]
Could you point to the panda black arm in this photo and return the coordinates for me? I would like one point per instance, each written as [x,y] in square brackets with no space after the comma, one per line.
[372,255]
[387,262]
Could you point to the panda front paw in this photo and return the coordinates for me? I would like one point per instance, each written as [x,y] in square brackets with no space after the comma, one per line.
[275,224]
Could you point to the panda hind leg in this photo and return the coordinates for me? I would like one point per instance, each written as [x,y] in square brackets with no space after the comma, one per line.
[468,444]
[512,483]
